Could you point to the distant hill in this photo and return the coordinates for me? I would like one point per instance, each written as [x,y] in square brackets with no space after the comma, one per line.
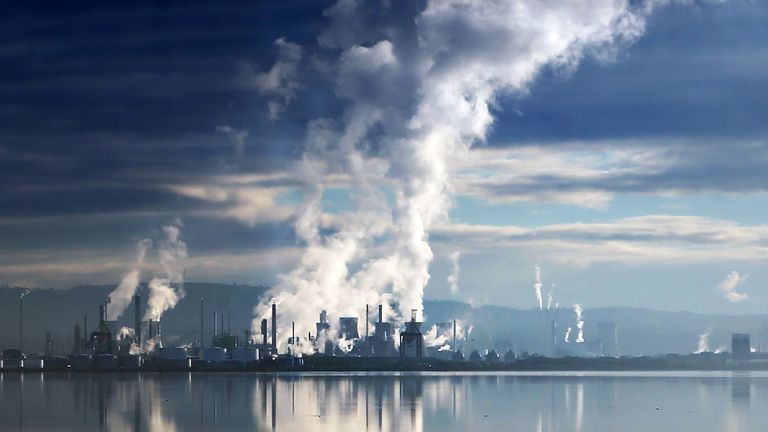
[641,331]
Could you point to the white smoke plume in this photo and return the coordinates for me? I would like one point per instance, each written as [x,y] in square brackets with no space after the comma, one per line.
[280,83]
[730,284]
[162,294]
[453,278]
[551,297]
[419,91]
[121,296]
[537,287]
[125,332]
[568,335]
[579,323]
[443,337]
[703,345]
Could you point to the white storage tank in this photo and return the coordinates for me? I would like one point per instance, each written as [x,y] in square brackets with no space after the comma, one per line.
[213,354]
[245,354]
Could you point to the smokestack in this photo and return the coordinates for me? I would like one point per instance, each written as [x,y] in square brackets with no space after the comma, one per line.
[202,322]
[137,318]
[381,314]
[293,332]
[454,336]
[21,322]
[78,342]
[274,327]
[366,322]
[264,331]
[101,314]
[229,323]
[151,330]
[215,325]
[159,332]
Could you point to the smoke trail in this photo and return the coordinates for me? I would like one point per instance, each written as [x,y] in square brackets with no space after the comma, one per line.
[579,323]
[121,296]
[550,297]
[418,85]
[537,287]
[568,335]
[453,278]
[730,284]
[703,343]
[442,338]
[162,295]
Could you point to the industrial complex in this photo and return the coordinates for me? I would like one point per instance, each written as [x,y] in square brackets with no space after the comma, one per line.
[342,343]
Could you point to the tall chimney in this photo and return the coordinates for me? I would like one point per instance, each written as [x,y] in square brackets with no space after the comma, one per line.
[293,332]
[151,330]
[202,322]
[366,322]
[454,336]
[101,314]
[381,314]
[21,322]
[78,342]
[264,331]
[215,325]
[274,327]
[137,317]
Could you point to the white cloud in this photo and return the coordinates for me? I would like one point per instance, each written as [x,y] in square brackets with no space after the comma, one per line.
[281,82]
[731,284]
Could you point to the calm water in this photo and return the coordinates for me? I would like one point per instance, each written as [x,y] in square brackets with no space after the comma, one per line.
[386,402]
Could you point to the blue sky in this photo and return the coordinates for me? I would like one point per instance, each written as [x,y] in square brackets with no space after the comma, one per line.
[633,175]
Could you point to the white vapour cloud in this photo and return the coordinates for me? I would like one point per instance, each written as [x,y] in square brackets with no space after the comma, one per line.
[730,284]
[172,253]
[419,92]
[443,337]
[281,82]
[453,278]
[537,287]
[122,295]
[703,345]
[579,323]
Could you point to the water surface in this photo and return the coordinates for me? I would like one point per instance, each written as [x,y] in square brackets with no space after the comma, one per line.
[637,401]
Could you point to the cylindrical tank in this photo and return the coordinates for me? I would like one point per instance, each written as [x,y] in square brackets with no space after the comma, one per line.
[173,353]
[129,362]
[105,361]
[213,354]
[34,363]
[246,354]
[80,361]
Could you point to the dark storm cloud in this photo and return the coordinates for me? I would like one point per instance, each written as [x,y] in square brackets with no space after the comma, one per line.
[698,71]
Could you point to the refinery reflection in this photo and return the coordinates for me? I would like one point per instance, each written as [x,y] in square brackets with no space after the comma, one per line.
[378,402]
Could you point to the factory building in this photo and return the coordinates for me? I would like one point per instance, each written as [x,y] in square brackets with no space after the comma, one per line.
[411,340]
[740,345]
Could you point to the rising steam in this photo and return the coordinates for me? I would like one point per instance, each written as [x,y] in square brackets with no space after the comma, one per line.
[453,278]
[703,345]
[121,296]
[162,294]
[537,287]
[418,90]
[579,323]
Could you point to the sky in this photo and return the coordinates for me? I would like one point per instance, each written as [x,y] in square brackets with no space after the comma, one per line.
[392,149]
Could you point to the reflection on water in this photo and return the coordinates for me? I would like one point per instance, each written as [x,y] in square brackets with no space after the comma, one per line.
[384,402]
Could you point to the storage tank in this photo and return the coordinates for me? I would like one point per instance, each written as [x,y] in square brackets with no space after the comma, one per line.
[105,361]
[129,362]
[213,354]
[246,354]
[34,363]
[80,361]
[173,353]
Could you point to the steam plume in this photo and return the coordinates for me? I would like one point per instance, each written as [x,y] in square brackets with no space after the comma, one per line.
[162,295]
[730,284]
[703,343]
[453,278]
[537,287]
[418,91]
[579,323]
[121,296]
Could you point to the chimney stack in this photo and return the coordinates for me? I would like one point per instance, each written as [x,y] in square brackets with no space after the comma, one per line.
[381,314]
[137,318]
[274,327]
[264,331]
